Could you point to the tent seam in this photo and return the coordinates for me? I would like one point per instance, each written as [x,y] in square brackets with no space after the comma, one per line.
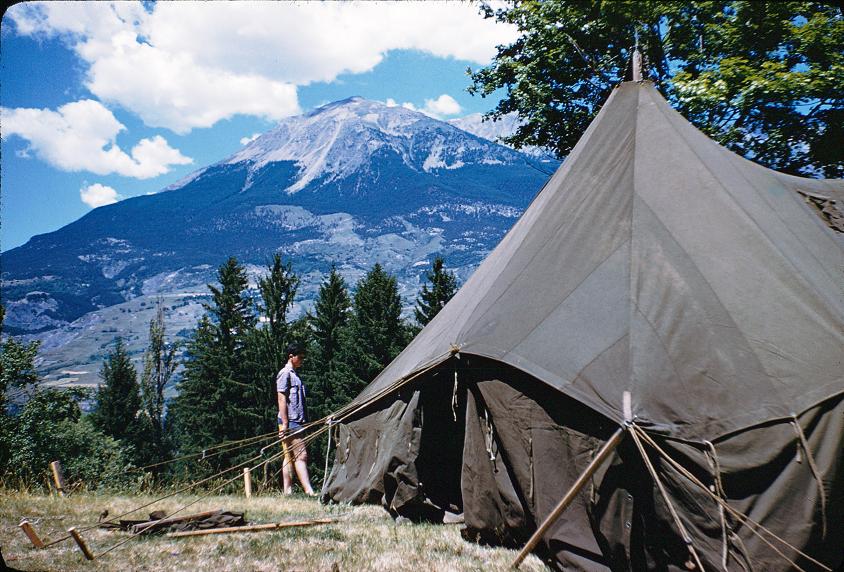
[708,284]
[631,374]
[740,332]
[795,271]
[586,197]
[793,198]
[577,375]
[637,309]
[768,240]
[569,295]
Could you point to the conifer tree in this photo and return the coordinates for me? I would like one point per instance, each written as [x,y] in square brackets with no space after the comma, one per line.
[194,410]
[216,400]
[159,365]
[331,315]
[378,332]
[327,325]
[431,300]
[278,291]
[118,398]
[50,426]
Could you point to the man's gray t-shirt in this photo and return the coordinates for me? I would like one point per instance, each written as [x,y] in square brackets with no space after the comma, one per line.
[288,383]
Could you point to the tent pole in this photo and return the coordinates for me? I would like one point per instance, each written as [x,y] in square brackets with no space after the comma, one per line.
[599,459]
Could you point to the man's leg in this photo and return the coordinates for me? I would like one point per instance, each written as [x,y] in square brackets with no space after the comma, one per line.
[287,476]
[300,454]
[286,467]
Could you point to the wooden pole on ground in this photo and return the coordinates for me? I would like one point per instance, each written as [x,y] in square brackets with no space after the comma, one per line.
[600,457]
[81,543]
[58,477]
[250,528]
[247,482]
[156,524]
[31,534]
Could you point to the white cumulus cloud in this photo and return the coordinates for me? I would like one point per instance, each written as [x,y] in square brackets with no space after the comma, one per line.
[250,139]
[184,65]
[98,195]
[442,106]
[437,108]
[81,136]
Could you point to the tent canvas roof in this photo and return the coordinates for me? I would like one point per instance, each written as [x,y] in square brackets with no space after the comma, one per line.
[656,261]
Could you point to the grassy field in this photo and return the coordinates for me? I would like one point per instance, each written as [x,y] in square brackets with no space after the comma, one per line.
[364,538]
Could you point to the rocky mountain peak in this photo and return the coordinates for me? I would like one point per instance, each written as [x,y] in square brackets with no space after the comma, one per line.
[343,138]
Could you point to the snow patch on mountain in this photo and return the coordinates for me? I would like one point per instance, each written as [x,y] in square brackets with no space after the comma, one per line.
[435,159]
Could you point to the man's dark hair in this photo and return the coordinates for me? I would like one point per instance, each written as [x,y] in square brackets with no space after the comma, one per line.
[295,349]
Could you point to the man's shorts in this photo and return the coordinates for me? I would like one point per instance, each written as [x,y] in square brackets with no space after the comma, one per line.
[293,428]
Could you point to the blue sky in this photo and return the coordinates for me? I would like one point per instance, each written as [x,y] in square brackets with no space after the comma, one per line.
[104,101]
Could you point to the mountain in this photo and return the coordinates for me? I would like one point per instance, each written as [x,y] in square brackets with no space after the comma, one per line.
[496,130]
[349,184]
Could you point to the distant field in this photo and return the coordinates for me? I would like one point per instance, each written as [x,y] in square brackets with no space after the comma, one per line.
[364,538]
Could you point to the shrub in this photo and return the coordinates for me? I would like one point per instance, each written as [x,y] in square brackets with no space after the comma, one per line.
[51,427]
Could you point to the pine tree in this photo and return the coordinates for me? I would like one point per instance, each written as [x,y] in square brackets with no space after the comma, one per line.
[331,315]
[118,399]
[278,291]
[193,413]
[378,332]
[230,309]
[216,400]
[159,365]
[330,319]
[431,300]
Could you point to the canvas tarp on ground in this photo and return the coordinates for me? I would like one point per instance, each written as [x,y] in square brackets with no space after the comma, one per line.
[654,262]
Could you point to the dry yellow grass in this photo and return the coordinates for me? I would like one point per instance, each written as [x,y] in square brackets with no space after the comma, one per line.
[365,538]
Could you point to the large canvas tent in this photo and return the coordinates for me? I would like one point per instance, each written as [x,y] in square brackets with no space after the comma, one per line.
[657,264]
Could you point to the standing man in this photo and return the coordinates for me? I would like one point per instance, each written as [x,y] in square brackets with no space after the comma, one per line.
[292,414]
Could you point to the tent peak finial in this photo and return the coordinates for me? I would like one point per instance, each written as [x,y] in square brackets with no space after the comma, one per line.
[637,64]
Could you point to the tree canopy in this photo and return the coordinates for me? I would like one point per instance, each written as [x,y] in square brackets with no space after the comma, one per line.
[431,300]
[762,78]
[378,332]
[217,398]
[159,366]
[118,398]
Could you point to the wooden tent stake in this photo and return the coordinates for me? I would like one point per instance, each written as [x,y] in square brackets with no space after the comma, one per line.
[58,478]
[247,482]
[31,534]
[600,457]
[81,543]
[250,528]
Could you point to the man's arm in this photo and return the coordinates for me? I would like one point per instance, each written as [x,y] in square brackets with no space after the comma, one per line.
[282,386]
[282,410]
